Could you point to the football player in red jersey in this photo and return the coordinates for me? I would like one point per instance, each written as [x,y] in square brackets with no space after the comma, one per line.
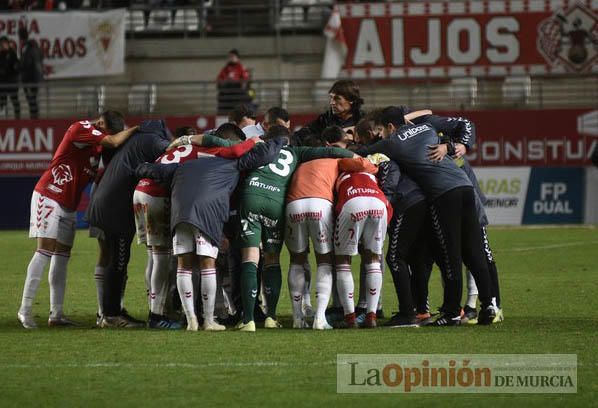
[53,205]
[363,212]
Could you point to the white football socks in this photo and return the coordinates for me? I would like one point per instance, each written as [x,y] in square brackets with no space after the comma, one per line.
[346,287]
[98,276]
[323,289]
[373,283]
[296,282]
[307,285]
[159,281]
[184,282]
[472,291]
[149,266]
[35,270]
[57,281]
[208,293]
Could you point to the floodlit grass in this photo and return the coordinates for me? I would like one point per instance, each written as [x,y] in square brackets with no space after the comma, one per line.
[549,287]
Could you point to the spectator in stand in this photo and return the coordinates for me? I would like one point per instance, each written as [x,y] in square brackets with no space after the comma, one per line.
[232,83]
[9,77]
[32,70]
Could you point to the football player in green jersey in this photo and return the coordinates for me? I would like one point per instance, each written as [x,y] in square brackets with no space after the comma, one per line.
[262,206]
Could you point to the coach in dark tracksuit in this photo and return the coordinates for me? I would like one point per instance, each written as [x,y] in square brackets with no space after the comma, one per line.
[452,207]
[111,209]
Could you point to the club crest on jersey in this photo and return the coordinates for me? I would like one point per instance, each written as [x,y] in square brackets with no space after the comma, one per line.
[62,174]
[569,38]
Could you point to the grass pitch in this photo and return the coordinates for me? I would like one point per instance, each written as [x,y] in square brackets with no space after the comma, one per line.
[549,288]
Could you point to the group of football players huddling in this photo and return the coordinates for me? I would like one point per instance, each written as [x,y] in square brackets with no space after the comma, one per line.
[217,207]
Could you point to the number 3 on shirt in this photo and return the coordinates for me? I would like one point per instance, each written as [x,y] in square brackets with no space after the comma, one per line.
[175,155]
[282,166]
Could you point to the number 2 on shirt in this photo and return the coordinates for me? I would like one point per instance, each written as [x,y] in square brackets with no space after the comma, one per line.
[282,166]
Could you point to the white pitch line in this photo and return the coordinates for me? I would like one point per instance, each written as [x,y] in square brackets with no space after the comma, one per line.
[224,364]
[552,246]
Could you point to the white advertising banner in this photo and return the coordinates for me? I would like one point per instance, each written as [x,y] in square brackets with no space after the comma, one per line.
[506,190]
[74,43]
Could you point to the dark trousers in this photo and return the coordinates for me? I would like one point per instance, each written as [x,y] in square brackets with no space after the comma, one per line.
[31,95]
[7,91]
[459,240]
[115,275]
[492,270]
[406,238]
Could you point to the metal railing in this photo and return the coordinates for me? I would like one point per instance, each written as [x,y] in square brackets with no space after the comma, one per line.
[68,99]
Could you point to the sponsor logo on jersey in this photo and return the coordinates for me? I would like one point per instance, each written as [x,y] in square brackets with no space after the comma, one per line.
[265,221]
[411,132]
[360,215]
[255,182]
[351,191]
[310,215]
[62,174]
[53,188]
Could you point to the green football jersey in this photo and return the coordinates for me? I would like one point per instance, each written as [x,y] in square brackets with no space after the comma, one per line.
[272,180]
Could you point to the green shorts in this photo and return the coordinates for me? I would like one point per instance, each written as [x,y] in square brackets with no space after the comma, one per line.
[262,221]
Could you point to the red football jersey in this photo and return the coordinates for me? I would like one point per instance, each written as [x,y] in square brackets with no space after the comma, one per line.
[191,152]
[351,185]
[73,166]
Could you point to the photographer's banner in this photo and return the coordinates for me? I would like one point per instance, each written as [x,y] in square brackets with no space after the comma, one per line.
[73,43]
[439,39]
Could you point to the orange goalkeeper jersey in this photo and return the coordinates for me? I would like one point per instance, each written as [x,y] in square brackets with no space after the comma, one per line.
[316,178]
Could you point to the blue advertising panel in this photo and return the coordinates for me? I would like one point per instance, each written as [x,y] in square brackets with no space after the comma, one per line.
[555,196]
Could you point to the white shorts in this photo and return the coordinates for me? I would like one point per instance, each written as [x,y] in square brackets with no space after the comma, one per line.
[188,239]
[49,219]
[309,217]
[152,218]
[361,220]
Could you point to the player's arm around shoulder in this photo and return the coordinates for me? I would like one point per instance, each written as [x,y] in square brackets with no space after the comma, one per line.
[357,164]
[117,139]
[311,153]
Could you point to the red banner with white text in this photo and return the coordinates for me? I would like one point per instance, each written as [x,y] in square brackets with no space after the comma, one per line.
[504,138]
[439,39]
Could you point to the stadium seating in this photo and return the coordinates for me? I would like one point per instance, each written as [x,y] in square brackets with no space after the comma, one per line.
[517,90]
[135,20]
[91,100]
[142,98]
[186,20]
[159,20]
[464,91]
